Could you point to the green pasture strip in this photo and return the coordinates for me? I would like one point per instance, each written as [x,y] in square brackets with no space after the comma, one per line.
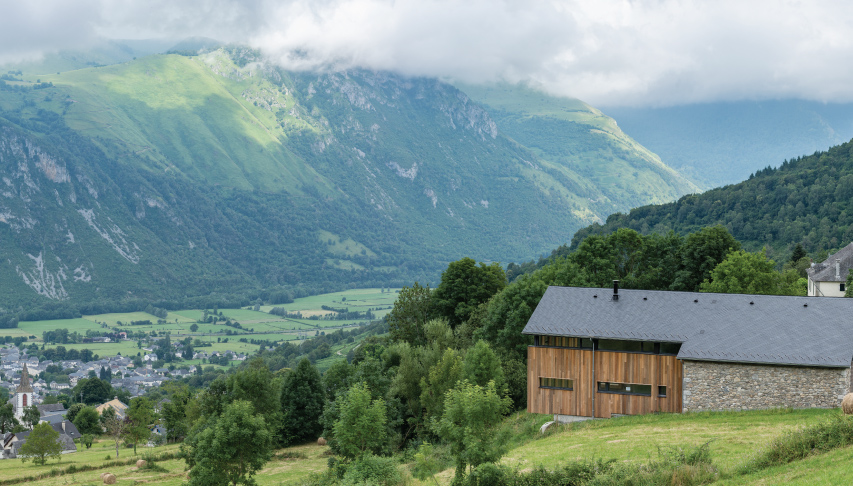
[13,468]
[124,317]
[637,438]
[36,328]
[829,469]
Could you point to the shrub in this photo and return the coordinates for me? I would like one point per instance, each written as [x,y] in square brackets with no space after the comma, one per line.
[373,471]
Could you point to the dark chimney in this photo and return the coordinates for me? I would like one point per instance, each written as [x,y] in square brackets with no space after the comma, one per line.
[615,290]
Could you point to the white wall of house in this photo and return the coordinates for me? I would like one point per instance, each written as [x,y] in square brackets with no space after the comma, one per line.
[826,289]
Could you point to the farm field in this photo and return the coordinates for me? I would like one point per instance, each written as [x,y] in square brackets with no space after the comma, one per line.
[258,325]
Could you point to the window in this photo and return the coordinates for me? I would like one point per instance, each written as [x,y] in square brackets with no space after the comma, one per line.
[841,287]
[559,383]
[25,399]
[670,348]
[630,346]
[563,342]
[625,388]
[662,391]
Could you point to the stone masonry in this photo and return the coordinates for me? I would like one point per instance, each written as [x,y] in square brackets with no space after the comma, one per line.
[709,385]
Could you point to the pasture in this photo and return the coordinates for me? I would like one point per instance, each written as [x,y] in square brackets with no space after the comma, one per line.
[257,325]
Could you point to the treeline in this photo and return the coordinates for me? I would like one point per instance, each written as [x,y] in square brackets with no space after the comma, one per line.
[807,200]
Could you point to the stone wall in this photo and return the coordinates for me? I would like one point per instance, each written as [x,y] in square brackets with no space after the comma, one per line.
[711,385]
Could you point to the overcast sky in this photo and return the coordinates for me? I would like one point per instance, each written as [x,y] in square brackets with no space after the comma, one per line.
[608,53]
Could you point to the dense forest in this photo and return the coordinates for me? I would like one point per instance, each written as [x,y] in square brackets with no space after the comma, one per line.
[807,200]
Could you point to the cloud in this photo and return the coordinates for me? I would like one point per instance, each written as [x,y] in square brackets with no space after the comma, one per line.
[606,52]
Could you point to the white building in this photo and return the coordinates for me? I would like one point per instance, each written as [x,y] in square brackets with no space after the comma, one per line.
[23,394]
[829,278]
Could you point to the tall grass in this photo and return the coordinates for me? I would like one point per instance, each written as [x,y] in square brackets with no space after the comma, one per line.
[832,433]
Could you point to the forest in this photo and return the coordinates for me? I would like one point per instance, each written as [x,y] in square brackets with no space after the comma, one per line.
[807,201]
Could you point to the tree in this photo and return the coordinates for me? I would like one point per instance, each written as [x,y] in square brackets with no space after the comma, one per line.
[87,440]
[798,254]
[411,311]
[87,421]
[7,418]
[116,428]
[31,416]
[231,448]
[482,365]
[4,395]
[701,253]
[441,378]
[743,273]
[42,444]
[463,287]
[73,410]
[141,416]
[93,390]
[468,423]
[193,327]
[174,413]
[361,426]
[302,400]
[261,388]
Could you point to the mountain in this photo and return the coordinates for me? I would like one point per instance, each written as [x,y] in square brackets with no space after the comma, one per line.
[173,176]
[723,143]
[807,200]
[604,165]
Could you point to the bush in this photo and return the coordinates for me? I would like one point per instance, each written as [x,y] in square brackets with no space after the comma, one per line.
[372,470]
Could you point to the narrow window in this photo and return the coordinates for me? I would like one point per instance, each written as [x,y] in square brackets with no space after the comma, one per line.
[841,287]
[625,388]
[25,399]
[558,383]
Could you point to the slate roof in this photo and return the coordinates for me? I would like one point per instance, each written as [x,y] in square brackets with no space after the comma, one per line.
[24,386]
[825,271]
[51,407]
[770,329]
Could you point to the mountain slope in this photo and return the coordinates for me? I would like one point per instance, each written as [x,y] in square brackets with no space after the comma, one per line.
[722,143]
[807,200]
[183,175]
[606,166]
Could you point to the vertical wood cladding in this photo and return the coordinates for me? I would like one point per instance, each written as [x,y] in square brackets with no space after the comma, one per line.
[576,365]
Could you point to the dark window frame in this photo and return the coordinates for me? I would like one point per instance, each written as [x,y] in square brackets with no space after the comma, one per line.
[616,392]
[571,381]
[657,345]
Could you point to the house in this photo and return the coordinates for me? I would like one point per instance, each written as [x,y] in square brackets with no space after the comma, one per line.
[602,352]
[116,404]
[12,442]
[829,279]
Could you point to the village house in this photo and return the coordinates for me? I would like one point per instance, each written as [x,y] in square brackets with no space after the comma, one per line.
[829,278]
[605,352]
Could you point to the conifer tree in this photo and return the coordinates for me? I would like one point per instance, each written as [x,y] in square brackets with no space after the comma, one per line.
[302,399]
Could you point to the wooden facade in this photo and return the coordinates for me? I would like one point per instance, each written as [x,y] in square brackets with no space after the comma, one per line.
[619,367]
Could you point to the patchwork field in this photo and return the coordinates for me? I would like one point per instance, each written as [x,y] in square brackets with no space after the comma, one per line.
[257,325]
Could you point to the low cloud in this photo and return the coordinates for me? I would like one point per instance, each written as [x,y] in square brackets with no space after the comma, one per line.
[608,53]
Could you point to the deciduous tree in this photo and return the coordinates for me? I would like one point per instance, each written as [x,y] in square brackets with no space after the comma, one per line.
[42,444]
[302,400]
[361,426]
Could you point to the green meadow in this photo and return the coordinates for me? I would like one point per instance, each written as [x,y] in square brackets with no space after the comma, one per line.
[263,326]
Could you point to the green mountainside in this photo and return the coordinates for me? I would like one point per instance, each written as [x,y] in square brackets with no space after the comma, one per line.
[172,176]
[602,164]
[808,200]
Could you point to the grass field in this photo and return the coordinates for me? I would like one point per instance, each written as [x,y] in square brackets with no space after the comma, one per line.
[264,326]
